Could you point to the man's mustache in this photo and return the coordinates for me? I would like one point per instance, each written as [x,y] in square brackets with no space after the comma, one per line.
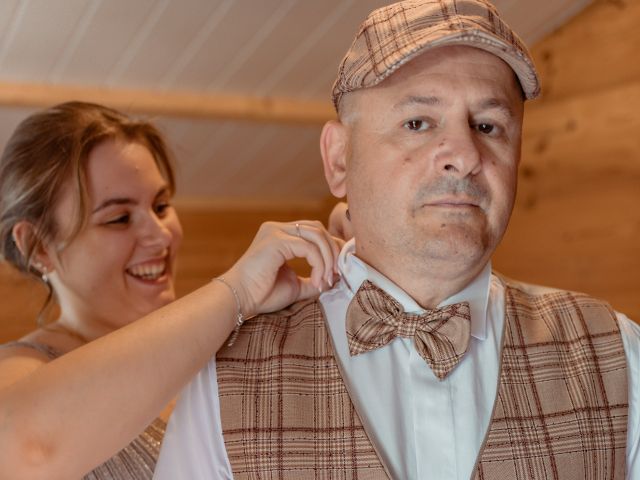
[453,187]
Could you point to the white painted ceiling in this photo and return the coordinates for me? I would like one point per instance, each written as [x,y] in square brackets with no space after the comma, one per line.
[285,48]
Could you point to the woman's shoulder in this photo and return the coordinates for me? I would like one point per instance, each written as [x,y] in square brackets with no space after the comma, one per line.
[18,347]
[21,357]
[27,353]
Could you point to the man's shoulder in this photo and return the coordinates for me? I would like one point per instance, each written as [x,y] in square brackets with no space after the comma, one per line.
[297,329]
[531,290]
[302,308]
[533,303]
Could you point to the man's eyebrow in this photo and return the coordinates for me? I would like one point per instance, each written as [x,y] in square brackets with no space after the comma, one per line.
[417,100]
[497,104]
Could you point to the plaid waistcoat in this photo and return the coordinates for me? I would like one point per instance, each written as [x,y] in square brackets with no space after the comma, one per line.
[560,412]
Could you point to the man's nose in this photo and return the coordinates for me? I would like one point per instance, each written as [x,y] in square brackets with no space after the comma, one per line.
[458,152]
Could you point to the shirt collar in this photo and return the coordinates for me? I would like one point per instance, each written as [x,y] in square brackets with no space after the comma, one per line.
[354,271]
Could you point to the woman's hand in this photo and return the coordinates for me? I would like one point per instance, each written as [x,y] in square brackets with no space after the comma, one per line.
[265,282]
[339,222]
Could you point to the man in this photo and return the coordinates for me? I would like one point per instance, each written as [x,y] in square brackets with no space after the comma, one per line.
[421,363]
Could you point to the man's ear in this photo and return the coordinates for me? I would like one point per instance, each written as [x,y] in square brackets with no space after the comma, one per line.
[334,144]
[24,236]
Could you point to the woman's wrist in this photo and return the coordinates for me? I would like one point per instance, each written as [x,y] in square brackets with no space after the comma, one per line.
[244,306]
[240,316]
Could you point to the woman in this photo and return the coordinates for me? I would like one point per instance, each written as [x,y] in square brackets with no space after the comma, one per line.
[85,206]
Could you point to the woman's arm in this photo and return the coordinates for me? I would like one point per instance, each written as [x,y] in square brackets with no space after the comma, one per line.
[61,419]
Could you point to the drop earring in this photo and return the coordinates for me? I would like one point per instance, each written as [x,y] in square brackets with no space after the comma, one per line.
[42,270]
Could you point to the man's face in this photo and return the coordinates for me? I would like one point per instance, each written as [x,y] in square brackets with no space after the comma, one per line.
[430,161]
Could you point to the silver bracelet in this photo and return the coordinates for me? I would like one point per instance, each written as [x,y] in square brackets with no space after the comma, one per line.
[240,320]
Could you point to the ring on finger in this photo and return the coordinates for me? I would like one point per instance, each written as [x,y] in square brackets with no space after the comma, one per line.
[298,230]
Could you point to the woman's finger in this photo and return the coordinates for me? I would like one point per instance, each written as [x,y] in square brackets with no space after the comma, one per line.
[259,270]
[315,232]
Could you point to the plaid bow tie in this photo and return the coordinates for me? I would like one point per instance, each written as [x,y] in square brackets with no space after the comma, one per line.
[441,335]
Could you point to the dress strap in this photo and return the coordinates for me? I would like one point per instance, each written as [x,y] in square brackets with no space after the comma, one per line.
[50,352]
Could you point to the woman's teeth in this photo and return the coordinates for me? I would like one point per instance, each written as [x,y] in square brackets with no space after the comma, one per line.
[147,272]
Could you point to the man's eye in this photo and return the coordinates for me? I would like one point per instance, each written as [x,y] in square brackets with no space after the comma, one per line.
[416,125]
[485,128]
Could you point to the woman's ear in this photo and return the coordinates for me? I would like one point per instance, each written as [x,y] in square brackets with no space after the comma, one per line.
[25,238]
[334,145]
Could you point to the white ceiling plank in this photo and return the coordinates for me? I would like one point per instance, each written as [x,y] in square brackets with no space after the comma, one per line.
[195,44]
[137,42]
[205,153]
[302,48]
[219,160]
[11,12]
[272,58]
[33,56]
[246,50]
[282,155]
[171,34]
[286,178]
[105,41]
[284,146]
[232,156]
[14,19]
[219,49]
[78,32]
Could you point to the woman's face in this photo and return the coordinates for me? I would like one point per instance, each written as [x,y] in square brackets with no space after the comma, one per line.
[121,266]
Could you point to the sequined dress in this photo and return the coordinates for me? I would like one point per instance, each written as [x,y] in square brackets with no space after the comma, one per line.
[134,462]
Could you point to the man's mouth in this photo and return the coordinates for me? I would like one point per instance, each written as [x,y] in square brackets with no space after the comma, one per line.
[454,202]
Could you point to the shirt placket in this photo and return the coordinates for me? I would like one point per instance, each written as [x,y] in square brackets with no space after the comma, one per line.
[434,433]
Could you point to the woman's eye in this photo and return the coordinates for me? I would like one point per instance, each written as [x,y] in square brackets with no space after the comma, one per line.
[161,208]
[120,220]
[416,125]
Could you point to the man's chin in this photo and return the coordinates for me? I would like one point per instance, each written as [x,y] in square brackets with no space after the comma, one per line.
[458,246]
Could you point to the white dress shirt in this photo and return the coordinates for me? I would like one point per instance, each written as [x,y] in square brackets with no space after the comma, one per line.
[437,426]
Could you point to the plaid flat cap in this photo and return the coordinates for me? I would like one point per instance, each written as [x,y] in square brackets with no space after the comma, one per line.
[393,35]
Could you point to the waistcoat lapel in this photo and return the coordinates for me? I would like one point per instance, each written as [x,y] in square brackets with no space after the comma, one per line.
[285,410]
[561,409]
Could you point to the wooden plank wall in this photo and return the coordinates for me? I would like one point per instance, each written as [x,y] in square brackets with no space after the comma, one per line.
[577,220]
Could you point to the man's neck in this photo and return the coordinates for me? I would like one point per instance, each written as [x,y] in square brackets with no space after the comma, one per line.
[429,283]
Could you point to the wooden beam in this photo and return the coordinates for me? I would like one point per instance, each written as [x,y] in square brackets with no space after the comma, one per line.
[173,103]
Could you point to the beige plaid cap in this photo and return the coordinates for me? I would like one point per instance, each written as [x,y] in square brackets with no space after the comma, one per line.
[393,35]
